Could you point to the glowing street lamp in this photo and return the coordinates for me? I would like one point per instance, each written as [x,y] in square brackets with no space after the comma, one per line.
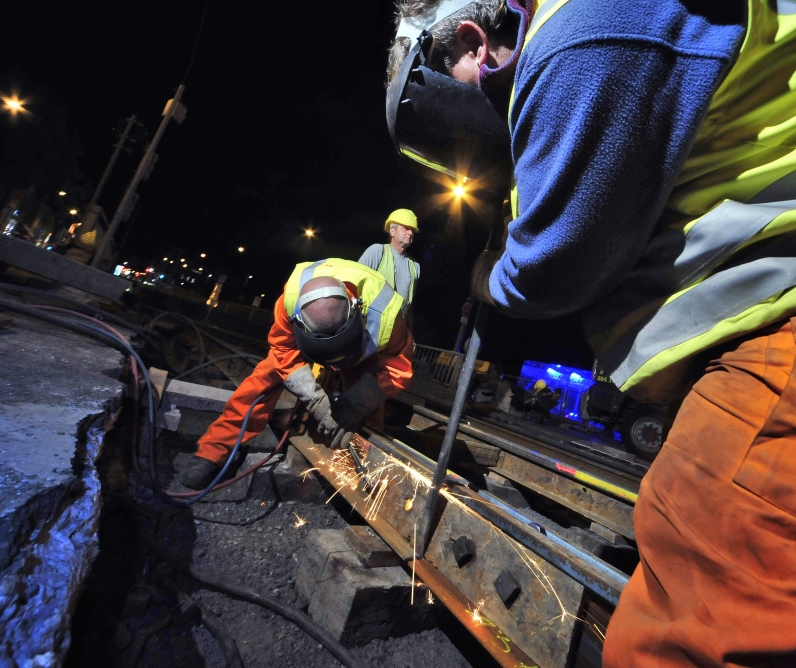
[241,249]
[458,191]
[14,104]
[309,233]
[202,254]
[73,211]
[62,192]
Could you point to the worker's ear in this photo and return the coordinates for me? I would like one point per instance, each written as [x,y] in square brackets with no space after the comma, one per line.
[470,51]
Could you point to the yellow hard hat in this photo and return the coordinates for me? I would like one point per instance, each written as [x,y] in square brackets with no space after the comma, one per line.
[403,217]
[539,385]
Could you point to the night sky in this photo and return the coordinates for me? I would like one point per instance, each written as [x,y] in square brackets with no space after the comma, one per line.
[285,129]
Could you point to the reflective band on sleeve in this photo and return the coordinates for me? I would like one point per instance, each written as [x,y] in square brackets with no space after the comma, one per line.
[711,240]
[785,7]
[717,298]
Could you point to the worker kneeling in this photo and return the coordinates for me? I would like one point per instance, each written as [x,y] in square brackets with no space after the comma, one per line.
[333,312]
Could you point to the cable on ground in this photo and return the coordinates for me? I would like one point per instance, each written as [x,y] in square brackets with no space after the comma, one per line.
[218,359]
[298,618]
[179,316]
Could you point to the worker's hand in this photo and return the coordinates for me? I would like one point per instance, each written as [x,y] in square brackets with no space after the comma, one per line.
[304,385]
[342,438]
[479,279]
[362,398]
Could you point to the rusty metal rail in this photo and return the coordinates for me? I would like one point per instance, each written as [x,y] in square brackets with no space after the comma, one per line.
[502,648]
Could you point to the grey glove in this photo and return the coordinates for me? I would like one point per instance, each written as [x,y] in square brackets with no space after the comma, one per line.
[479,279]
[304,385]
[363,397]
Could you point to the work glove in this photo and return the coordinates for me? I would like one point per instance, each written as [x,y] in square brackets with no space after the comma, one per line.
[305,386]
[479,279]
[363,397]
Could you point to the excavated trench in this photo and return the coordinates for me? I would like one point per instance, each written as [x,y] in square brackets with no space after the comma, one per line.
[128,614]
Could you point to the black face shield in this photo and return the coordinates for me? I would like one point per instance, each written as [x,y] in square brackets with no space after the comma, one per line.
[445,124]
[341,349]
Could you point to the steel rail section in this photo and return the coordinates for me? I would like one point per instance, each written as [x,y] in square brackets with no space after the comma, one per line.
[596,575]
[492,638]
[406,454]
[536,457]
[595,451]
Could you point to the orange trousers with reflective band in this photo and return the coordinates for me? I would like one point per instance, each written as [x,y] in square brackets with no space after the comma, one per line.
[716,522]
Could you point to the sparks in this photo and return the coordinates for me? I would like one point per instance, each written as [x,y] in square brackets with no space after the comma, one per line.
[300,522]
[476,614]
[306,474]
[429,597]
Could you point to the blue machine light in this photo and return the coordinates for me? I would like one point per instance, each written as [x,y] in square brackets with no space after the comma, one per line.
[162,276]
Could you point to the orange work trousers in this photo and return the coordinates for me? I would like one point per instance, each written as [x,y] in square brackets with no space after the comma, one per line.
[716,522]
[220,438]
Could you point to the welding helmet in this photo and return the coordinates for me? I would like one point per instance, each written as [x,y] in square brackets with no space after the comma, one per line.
[445,124]
[339,349]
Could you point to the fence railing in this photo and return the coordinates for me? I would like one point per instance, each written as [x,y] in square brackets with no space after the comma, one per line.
[437,365]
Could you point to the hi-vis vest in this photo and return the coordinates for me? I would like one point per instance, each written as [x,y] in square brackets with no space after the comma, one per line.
[381,305]
[727,253]
[387,269]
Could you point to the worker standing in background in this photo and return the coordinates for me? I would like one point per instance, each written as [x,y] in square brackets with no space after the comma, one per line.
[391,260]
[335,313]
[654,159]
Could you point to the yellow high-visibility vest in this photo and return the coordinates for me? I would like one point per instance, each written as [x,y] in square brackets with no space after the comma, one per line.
[728,223]
[380,303]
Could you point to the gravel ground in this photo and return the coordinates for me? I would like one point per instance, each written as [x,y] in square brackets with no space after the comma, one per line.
[253,542]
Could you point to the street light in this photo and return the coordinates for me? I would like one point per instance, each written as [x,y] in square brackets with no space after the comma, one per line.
[62,192]
[202,254]
[309,233]
[458,191]
[73,211]
[241,249]
[14,104]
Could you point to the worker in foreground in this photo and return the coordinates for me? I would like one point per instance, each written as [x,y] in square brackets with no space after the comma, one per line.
[653,148]
[333,312]
[391,260]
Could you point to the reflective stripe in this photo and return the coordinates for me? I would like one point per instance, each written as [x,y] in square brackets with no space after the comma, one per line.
[373,325]
[711,240]
[306,275]
[785,7]
[717,298]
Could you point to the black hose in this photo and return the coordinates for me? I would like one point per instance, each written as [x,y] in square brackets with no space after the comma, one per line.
[298,618]
[218,359]
[232,454]
[92,310]
[225,641]
[106,337]
[179,316]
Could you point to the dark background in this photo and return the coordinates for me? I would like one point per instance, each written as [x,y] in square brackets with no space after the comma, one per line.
[285,130]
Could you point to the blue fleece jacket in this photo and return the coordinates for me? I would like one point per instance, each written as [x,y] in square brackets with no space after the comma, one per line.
[609,98]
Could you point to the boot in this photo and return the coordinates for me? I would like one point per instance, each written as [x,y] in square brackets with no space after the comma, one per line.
[198,473]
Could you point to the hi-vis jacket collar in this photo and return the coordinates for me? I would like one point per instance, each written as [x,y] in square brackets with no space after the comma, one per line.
[412,26]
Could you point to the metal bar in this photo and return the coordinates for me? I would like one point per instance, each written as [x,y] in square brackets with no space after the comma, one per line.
[495,641]
[594,574]
[450,434]
[406,454]
[615,514]
[537,457]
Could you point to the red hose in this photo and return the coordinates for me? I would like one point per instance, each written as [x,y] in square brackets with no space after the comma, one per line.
[241,475]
